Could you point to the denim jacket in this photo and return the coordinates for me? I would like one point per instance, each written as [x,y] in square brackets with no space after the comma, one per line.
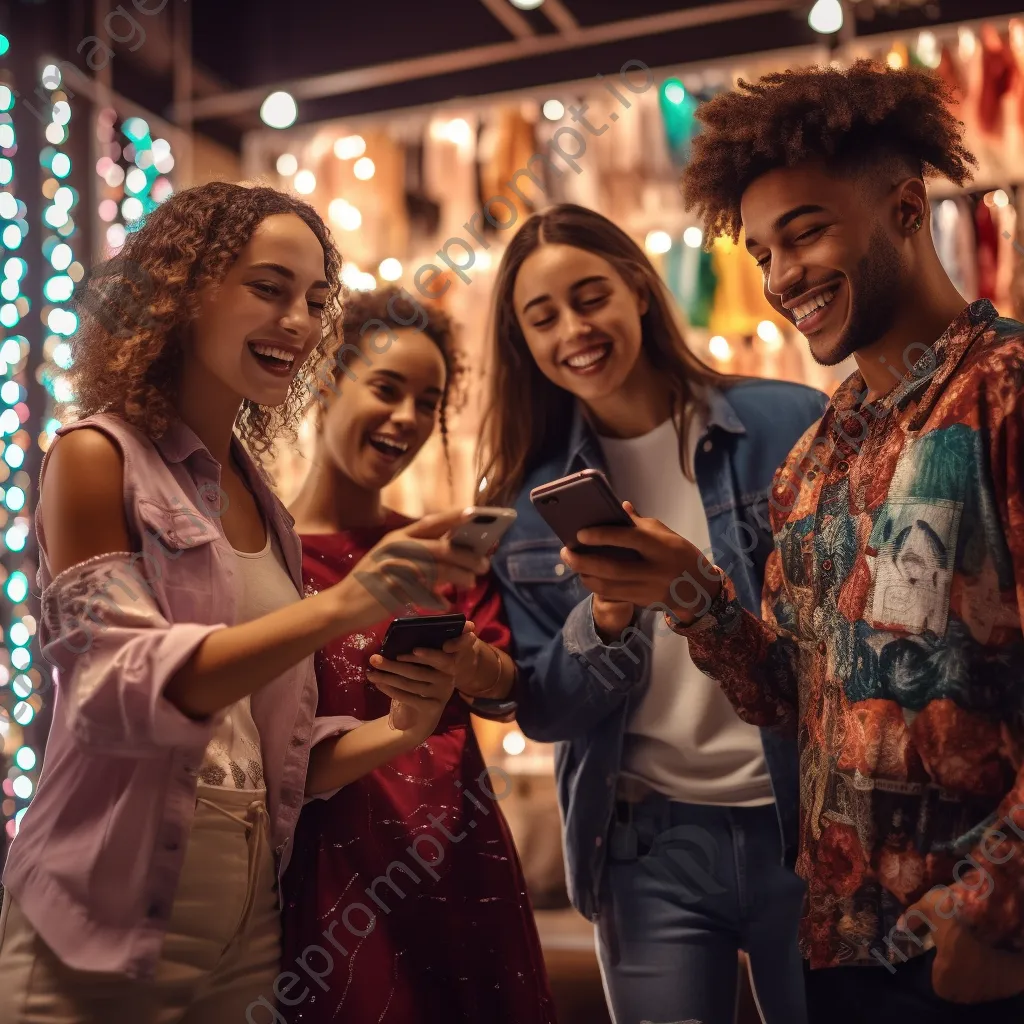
[578,692]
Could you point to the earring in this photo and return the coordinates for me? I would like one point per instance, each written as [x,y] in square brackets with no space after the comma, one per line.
[916,226]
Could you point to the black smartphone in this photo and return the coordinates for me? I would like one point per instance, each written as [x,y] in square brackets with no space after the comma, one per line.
[432,631]
[579,501]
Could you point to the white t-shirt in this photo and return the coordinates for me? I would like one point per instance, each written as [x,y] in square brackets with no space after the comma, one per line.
[234,758]
[684,740]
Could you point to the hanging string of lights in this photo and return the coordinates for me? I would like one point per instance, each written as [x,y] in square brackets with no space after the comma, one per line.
[21,682]
[133,171]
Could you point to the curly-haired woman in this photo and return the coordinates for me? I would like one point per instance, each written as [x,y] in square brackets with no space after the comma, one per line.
[142,885]
[450,937]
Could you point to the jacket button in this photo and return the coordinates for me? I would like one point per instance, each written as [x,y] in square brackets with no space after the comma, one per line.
[843,466]
[707,446]
[827,565]
[598,841]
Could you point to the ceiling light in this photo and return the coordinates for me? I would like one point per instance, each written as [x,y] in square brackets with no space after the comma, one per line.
[674,91]
[720,348]
[279,110]
[526,5]
[287,164]
[658,242]
[363,168]
[553,110]
[693,237]
[305,182]
[350,147]
[769,334]
[826,17]
[390,269]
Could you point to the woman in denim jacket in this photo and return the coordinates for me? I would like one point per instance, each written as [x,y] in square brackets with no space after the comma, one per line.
[680,819]
[143,884]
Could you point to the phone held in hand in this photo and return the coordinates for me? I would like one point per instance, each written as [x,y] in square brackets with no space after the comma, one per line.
[581,501]
[404,635]
[483,530]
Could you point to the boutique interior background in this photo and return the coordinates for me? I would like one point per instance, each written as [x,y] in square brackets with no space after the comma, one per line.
[400,121]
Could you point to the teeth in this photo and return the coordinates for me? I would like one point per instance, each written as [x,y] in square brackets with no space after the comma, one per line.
[807,308]
[390,442]
[585,359]
[277,353]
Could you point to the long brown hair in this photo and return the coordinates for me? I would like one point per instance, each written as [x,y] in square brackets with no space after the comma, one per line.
[527,414]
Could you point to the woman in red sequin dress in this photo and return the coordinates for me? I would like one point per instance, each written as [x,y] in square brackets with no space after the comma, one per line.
[405,902]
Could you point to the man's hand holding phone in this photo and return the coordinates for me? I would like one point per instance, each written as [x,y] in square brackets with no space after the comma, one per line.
[671,572]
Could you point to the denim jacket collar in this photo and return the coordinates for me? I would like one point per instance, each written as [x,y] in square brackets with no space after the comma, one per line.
[584,448]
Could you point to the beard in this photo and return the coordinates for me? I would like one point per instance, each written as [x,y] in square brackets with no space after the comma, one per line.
[875,289]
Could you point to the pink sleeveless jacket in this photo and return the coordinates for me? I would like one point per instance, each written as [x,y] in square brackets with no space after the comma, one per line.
[96,862]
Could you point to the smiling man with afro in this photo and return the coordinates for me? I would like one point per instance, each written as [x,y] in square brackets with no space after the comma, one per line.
[891,645]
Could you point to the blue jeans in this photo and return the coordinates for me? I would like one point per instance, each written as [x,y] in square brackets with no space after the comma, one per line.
[687,886]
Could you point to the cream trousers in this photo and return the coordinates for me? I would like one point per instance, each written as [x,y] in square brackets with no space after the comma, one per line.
[222,948]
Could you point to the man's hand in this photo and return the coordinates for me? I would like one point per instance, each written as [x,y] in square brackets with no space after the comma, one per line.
[673,573]
[965,970]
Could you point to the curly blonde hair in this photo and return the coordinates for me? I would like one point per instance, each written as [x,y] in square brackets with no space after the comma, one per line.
[136,309]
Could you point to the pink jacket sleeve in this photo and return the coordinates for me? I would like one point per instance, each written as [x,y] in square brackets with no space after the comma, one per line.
[114,653]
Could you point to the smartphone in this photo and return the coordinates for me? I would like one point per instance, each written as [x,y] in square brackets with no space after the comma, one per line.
[482,532]
[432,631]
[579,501]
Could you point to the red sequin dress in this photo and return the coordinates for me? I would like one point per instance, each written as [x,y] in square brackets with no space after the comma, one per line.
[408,879]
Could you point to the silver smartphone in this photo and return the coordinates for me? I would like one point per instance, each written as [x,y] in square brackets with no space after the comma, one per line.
[483,530]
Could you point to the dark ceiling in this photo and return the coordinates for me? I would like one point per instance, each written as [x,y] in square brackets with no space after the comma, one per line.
[240,45]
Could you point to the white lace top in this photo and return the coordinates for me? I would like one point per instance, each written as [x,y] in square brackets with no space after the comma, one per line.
[233,757]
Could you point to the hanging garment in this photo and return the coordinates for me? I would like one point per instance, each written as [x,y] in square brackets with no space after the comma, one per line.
[449,171]
[998,74]
[949,71]
[945,231]
[1017,282]
[988,251]
[967,248]
[423,211]
[1005,219]
[739,302]
[509,150]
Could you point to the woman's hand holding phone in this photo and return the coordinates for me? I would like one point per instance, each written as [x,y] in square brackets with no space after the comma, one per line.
[421,684]
[673,572]
[405,570]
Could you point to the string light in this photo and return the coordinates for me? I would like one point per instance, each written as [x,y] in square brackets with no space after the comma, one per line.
[20,680]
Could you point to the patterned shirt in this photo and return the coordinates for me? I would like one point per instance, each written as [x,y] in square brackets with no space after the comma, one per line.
[891,643]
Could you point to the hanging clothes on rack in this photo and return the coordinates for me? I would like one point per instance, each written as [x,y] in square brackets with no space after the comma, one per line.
[988,251]
[1005,220]
[508,151]
[998,75]
[739,303]
[1017,281]
[967,247]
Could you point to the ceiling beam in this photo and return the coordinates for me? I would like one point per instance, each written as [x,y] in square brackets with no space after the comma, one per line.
[516,24]
[359,79]
[560,16]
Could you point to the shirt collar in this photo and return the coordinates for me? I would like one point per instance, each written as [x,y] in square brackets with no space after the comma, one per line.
[180,443]
[583,446]
[929,375]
